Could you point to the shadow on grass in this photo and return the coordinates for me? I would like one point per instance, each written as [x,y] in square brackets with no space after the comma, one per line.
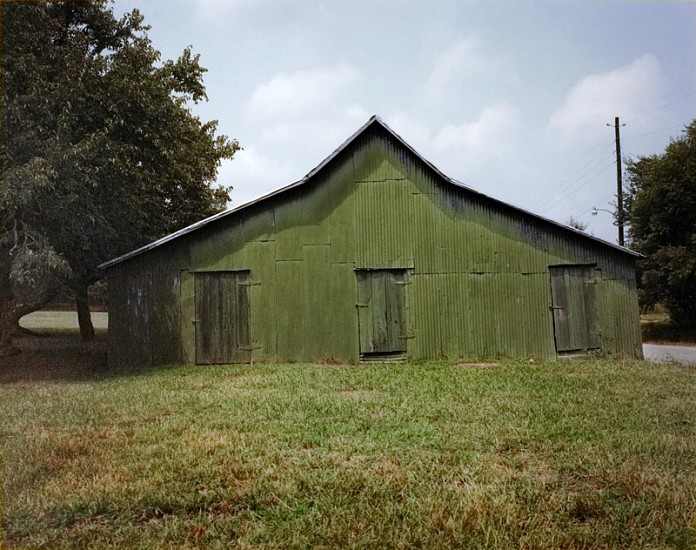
[666,332]
[60,356]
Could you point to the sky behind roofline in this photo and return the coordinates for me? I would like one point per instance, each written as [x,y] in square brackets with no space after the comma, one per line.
[512,98]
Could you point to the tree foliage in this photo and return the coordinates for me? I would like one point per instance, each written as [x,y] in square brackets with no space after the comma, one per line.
[576,224]
[100,151]
[660,205]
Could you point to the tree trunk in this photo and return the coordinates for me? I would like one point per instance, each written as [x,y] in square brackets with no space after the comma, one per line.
[6,305]
[83,315]
[7,331]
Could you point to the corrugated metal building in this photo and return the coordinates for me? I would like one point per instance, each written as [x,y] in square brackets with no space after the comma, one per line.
[374,255]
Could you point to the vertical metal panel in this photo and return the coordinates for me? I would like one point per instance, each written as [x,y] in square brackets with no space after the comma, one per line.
[621,331]
[344,344]
[262,265]
[187,316]
[383,224]
[319,301]
[207,318]
[290,314]
[289,230]
[222,248]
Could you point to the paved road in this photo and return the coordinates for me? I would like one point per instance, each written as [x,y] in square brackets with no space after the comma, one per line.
[663,353]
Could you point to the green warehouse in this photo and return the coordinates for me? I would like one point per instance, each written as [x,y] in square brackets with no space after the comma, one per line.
[374,255]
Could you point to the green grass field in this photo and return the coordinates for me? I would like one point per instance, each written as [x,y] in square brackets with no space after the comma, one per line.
[574,454]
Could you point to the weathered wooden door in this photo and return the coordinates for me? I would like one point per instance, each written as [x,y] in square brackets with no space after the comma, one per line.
[381,312]
[574,305]
[222,317]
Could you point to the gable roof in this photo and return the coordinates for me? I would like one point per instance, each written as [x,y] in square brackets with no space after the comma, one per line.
[374,120]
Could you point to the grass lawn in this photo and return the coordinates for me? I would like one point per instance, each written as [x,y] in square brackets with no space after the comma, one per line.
[574,454]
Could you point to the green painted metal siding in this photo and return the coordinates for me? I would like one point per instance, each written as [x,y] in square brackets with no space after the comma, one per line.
[478,271]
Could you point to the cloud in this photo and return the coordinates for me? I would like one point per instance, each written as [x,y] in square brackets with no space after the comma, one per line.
[213,11]
[226,13]
[298,119]
[454,65]
[493,125]
[302,115]
[252,174]
[300,94]
[628,91]
[305,138]
[412,130]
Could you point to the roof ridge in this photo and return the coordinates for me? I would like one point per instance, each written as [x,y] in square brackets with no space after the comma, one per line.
[374,119]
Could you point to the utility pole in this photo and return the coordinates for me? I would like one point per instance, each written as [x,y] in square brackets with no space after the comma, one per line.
[619,182]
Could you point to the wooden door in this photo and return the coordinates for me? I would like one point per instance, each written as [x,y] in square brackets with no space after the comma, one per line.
[382,312]
[574,305]
[222,317]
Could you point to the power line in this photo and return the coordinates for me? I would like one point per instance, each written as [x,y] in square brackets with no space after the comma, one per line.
[661,107]
[571,181]
[576,176]
[654,132]
[572,191]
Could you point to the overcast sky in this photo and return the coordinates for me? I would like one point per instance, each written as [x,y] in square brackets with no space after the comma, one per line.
[512,97]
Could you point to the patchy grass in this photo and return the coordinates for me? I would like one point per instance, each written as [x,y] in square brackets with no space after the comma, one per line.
[574,454]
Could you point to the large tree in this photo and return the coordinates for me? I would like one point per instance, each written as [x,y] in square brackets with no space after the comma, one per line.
[100,150]
[660,207]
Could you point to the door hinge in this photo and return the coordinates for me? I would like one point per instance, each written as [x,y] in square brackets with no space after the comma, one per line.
[555,307]
[249,284]
[248,348]
[361,305]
